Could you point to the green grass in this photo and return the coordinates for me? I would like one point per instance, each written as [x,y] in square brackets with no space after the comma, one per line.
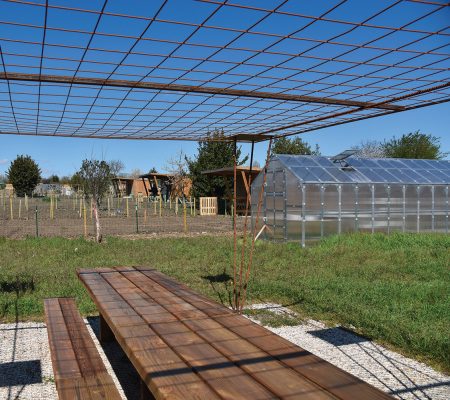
[394,289]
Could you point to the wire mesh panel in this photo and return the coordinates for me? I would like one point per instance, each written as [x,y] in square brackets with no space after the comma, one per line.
[177,69]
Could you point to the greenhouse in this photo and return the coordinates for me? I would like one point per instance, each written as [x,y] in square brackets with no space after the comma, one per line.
[309,197]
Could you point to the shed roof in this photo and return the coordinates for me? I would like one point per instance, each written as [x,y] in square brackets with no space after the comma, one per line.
[229,171]
[319,169]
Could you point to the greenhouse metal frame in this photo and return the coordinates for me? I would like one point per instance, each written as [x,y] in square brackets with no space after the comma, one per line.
[309,197]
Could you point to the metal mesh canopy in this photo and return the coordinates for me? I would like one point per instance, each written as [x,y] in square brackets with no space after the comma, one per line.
[316,169]
[174,69]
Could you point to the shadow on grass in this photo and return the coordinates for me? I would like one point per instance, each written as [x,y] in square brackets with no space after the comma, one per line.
[224,280]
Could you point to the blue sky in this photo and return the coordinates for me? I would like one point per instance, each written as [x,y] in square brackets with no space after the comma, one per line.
[63,156]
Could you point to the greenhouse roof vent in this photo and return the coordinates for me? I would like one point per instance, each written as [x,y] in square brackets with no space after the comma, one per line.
[342,157]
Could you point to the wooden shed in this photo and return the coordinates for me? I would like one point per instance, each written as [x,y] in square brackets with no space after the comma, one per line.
[243,175]
[124,187]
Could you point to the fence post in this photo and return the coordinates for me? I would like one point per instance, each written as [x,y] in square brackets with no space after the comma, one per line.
[37,222]
[137,219]
[20,208]
[160,205]
[127,207]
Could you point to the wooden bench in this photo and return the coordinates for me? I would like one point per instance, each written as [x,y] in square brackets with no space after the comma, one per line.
[186,346]
[79,371]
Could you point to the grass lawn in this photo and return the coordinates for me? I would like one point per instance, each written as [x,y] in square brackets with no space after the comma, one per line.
[394,289]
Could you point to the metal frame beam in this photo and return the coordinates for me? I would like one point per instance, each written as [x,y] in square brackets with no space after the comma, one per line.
[73,80]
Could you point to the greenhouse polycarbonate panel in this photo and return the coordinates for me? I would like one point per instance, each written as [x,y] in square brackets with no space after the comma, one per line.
[318,169]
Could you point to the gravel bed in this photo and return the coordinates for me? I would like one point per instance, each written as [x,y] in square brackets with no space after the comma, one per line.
[26,371]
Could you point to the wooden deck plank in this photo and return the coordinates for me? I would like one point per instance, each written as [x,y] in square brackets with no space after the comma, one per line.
[78,369]
[169,331]
[326,375]
[280,380]
[161,369]
[179,337]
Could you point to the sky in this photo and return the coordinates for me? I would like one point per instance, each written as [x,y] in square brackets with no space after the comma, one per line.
[63,156]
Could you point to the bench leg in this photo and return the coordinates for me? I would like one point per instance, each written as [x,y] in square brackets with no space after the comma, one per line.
[145,393]
[106,334]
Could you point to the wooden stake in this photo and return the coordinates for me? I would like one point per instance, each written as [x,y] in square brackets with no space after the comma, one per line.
[26,203]
[176,205]
[91,208]
[109,208]
[85,218]
[160,205]
[127,208]
[51,206]
[184,217]
[81,205]
[20,208]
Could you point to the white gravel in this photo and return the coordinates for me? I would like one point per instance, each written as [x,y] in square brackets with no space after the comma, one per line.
[26,372]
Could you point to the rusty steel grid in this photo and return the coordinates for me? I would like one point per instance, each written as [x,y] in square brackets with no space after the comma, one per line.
[178,69]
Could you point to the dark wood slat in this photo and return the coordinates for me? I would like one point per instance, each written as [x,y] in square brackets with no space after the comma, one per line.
[166,375]
[78,368]
[262,367]
[163,321]
[221,374]
[331,378]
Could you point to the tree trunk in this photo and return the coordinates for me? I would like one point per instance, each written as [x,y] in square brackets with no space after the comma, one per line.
[98,229]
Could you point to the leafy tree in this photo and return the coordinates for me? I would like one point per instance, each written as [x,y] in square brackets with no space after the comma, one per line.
[370,149]
[51,179]
[285,145]
[212,154]
[76,181]
[153,170]
[65,180]
[414,145]
[95,179]
[24,174]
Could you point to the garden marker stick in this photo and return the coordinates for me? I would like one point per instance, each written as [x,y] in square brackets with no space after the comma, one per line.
[184,217]
[85,219]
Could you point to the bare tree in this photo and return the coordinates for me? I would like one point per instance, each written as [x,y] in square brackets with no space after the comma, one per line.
[178,168]
[135,173]
[116,167]
[370,149]
[95,179]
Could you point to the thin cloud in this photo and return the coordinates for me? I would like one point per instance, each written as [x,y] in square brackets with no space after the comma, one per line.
[4,161]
